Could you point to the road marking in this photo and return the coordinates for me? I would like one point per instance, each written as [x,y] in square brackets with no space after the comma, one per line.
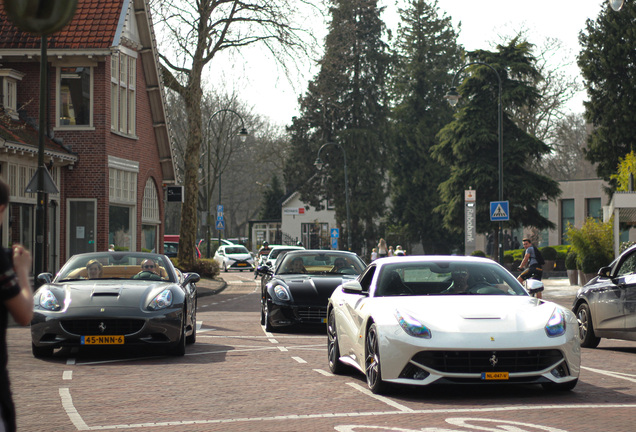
[67,375]
[299,360]
[78,422]
[274,341]
[323,372]
[618,375]
[282,348]
[382,399]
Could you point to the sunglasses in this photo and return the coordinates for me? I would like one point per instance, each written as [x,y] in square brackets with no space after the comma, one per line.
[148,266]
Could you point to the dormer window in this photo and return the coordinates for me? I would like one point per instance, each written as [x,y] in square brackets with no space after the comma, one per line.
[10,78]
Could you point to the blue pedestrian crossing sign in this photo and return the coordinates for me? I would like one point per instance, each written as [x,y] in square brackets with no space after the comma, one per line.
[335,232]
[220,224]
[499,211]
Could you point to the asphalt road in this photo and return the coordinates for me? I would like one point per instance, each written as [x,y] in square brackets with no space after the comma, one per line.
[237,377]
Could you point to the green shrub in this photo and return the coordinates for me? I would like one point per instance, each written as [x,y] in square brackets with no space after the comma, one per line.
[591,262]
[570,261]
[478,253]
[207,268]
[508,258]
[595,239]
[549,253]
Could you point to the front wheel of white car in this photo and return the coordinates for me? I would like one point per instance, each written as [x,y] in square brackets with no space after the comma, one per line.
[333,350]
[373,371]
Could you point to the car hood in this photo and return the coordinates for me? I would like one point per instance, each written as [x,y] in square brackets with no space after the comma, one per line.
[121,293]
[241,256]
[306,288]
[468,313]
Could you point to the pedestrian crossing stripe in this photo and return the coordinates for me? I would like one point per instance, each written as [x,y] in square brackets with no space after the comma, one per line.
[499,212]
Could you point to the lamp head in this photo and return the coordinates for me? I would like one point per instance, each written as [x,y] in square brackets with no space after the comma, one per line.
[616,4]
[452,96]
[319,163]
[243,134]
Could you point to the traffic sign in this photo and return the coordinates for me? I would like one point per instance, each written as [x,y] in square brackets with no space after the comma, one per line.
[220,224]
[499,211]
[219,208]
[335,232]
[334,243]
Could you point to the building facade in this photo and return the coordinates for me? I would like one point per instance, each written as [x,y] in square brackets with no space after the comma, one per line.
[108,144]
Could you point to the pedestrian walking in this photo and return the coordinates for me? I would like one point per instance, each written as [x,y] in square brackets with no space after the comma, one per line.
[391,251]
[383,250]
[374,254]
[16,298]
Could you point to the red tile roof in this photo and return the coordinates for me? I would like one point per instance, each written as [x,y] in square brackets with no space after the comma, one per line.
[93,27]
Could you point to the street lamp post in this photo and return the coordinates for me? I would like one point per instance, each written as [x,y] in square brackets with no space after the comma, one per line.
[243,136]
[453,97]
[319,164]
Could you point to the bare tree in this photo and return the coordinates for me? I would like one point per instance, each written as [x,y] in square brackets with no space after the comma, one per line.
[196,32]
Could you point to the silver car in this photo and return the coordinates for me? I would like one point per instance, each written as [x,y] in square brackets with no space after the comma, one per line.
[606,306]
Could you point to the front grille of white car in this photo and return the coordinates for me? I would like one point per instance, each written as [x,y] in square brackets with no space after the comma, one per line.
[488,361]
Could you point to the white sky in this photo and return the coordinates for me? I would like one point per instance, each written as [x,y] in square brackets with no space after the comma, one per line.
[260,83]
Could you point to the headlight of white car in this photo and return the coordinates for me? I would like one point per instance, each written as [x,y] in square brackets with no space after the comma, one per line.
[556,324]
[282,293]
[48,300]
[161,300]
[412,326]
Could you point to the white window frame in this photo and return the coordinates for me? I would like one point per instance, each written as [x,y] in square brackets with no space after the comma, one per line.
[10,78]
[58,95]
[123,92]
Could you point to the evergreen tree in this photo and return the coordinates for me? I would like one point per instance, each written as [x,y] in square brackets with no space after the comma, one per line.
[346,104]
[270,208]
[427,56]
[469,145]
[608,66]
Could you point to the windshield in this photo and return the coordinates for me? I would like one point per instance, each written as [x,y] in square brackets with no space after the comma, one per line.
[117,265]
[446,278]
[236,250]
[276,252]
[321,263]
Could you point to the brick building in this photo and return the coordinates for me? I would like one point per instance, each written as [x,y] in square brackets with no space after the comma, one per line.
[108,145]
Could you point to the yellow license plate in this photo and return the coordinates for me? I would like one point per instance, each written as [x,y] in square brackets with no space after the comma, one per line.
[102,340]
[494,375]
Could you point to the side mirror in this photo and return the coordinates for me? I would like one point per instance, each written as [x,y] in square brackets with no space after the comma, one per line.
[191,278]
[352,287]
[45,277]
[263,269]
[604,272]
[534,286]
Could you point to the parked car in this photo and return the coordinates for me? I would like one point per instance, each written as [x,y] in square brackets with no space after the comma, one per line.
[420,320]
[171,246]
[108,299]
[234,257]
[297,289]
[606,306]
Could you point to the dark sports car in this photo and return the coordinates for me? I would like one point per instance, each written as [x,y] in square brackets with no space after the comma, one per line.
[296,291]
[115,298]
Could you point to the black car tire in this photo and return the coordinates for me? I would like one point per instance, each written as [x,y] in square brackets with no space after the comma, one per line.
[268,325]
[372,368]
[586,328]
[333,350]
[41,352]
[193,337]
[262,314]
[180,348]
[225,267]
[560,386]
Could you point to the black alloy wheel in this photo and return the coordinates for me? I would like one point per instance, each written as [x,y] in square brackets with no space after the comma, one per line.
[333,350]
[586,328]
[372,362]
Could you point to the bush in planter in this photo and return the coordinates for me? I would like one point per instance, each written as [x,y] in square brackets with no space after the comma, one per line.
[570,261]
[508,258]
[478,253]
[592,262]
[549,253]
[595,238]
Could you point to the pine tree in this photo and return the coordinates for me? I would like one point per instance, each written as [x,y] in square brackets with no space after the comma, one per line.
[427,56]
[346,103]
[608,66]
[270,208]
[469,145]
